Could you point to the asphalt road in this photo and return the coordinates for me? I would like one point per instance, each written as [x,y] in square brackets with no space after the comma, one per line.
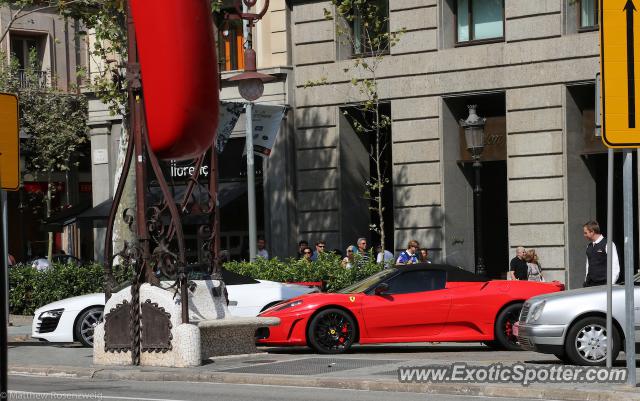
[48,388]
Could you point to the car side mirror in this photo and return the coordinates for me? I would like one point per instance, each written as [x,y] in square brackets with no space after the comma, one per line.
[381,289]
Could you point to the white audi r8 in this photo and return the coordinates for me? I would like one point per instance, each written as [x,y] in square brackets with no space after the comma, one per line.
[73,319]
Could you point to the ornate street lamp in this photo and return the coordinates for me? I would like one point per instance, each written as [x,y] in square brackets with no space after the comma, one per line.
[474,137]
[251,88]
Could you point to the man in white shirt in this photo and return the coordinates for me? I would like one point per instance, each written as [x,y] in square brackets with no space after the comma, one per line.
[262,251]
[596,266]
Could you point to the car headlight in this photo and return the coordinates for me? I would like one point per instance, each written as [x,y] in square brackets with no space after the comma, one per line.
[51,314]
[536,311]
[289,305]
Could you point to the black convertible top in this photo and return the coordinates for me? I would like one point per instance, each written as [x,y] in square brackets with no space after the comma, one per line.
[454,273]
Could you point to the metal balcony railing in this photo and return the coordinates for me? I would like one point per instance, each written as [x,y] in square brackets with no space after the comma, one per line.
[40,81]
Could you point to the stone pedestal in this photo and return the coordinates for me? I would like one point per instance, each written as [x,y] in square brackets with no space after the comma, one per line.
[211,330]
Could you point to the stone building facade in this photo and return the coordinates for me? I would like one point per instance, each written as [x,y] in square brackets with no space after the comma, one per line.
[533,80]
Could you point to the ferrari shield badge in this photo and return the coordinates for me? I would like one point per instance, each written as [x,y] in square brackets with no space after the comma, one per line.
[352,298]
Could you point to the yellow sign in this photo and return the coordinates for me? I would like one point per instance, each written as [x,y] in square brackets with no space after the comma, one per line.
[9,143]
[352,298]
[619,42]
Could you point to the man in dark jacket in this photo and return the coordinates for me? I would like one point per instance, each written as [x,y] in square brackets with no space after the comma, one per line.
[596,268]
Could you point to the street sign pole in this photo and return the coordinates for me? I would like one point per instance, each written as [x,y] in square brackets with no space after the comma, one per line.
[4,305]
[609,318]
[9,180]
[630,350]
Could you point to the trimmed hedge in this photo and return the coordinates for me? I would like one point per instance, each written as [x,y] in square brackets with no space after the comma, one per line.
[30,289]
[327,268]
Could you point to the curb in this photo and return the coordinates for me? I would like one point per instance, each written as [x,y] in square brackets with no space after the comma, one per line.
[488,390]
[20,320]
[22,338]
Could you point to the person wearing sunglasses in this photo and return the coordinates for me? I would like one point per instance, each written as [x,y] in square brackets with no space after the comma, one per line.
[306,254]
[410,256]
[347,261]
[320,247]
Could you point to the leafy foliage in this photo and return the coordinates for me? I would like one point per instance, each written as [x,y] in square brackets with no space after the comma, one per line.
[327,268]
[30,289]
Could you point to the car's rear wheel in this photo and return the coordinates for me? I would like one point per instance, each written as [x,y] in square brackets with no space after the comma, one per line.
[586,342]
[86,323]
[332,331]
[503,330]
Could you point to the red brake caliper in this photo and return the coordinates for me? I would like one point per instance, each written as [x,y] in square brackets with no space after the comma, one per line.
[508,329]
[343,330]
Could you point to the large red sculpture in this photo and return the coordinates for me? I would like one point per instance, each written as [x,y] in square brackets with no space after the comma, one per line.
[176,49]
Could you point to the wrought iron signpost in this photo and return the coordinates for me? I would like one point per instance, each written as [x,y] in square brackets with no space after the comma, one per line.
[160,247]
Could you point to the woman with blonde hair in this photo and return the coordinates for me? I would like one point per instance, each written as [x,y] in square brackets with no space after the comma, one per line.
[348,260]
[533,266]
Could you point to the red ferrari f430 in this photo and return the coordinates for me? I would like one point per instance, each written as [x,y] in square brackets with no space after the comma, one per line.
[419,303]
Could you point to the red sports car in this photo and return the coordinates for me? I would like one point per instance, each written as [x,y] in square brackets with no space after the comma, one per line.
[419,303]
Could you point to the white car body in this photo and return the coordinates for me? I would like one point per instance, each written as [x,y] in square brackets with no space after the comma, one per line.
[244,300]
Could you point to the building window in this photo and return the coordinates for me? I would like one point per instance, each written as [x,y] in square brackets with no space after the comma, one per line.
[231,46]
[23,47]
[588,14]
[479,20]
[369,23]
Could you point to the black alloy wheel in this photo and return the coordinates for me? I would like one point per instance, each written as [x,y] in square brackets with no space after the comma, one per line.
[332,331]
[504,327]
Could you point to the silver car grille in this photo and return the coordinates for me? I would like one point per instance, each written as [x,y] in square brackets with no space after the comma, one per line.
[524,312]
[525,343]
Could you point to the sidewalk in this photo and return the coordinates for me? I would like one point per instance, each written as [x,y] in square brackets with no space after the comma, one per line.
[367,368]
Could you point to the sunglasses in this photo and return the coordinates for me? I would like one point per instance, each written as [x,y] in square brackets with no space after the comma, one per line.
[307,253]
[349,251]
[320,246]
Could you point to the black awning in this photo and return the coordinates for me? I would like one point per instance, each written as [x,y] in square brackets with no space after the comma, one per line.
[63,217]
[227,192]
[98,212]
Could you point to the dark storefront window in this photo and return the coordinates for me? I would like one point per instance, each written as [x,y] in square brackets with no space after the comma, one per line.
[479,20]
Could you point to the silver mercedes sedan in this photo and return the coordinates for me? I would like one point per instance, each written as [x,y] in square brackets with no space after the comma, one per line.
[572,324]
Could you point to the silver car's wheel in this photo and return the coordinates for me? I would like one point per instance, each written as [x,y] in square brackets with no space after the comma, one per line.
[587,339]
[591,343]
[86,323]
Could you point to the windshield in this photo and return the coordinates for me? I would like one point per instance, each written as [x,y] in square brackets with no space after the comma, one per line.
[362,285]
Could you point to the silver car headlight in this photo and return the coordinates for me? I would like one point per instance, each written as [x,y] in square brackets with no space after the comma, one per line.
[536,311]
[51,314]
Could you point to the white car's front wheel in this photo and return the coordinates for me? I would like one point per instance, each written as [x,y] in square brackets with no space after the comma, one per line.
[86,323]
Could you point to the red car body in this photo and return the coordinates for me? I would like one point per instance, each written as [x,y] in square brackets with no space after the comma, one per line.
[464,310]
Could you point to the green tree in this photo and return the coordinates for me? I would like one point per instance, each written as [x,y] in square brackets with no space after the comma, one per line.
[363,27]
[54,123]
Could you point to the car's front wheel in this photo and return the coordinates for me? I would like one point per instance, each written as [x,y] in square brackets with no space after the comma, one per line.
[504,327]
[586,342]
[332,331]
[86,323]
